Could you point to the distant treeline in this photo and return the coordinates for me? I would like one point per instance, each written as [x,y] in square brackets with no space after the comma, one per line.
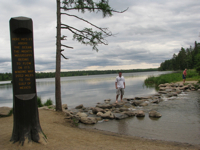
[8,76]
[186,58]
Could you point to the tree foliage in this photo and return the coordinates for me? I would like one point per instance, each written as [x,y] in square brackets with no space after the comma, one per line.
[186,58]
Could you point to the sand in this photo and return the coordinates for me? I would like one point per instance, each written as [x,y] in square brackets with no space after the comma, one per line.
[62,135]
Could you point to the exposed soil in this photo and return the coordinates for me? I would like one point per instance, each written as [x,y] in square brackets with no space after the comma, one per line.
[62,134]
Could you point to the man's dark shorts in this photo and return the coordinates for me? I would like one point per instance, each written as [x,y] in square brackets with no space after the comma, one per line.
[184,77]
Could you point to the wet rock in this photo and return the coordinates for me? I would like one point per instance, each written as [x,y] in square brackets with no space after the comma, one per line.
[4,111]
[139,113]
[128,105]
[138,98]
[137,102]
[154,114]
[107,115]
[74,111]
[79,106]
[178,92]
[64,106]
[162,92]
[117,111]
[80,114]
[129,113]
[198,90]
[156,101]
[143,104]
[95,110]
[117,105]
[107,101]
[88,120]
[129,99]
[120,116]
[123,109]
[104,106]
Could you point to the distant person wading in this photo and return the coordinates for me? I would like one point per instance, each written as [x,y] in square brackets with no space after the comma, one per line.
[120,86]
[184,75]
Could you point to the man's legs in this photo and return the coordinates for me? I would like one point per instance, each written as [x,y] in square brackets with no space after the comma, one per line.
[121,97]
[117,98]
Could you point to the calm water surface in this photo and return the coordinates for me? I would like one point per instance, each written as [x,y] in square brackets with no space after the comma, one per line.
[180,119]
[86,90]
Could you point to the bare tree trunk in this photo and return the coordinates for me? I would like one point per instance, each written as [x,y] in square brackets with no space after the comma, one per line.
[58,61]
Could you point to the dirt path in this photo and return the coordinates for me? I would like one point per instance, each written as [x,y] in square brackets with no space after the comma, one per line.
[61,136]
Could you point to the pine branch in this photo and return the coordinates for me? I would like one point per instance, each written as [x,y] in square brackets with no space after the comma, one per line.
[102,29]
[63,56]
[66,46]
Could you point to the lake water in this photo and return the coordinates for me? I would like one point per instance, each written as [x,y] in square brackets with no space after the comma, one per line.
[180,119]
[86,90]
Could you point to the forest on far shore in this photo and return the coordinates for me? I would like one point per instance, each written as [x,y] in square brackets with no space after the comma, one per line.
[8,76]
[186,58]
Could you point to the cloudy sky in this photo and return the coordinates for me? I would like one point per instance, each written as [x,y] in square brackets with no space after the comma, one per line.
[148,33]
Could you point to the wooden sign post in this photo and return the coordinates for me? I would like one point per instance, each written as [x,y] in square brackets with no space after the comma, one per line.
[25,110]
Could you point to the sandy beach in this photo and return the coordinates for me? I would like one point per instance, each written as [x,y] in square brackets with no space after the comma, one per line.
[62,134]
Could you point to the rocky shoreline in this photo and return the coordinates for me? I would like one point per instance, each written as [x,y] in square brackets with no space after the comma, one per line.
[128,108]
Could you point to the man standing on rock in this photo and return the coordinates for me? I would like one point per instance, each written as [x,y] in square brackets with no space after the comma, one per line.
[184,75]
[120,86]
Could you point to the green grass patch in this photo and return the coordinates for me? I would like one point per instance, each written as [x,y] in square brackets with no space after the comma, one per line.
[192,75]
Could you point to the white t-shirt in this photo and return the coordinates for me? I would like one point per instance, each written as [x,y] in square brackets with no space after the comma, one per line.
[120,81]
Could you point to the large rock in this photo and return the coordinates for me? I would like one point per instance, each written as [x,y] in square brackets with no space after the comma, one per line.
[5,111]
[143,104]
[162,92]
[107,101]
[74,111]
[104,106]
[129,113]
[123,109]
[88,120]
[81,114]
[120,116]
[107,115]
[139,113]
[128,105]
[154,114]
[137,102]
[95,110]
[79,106]
[64,106]
[117,105]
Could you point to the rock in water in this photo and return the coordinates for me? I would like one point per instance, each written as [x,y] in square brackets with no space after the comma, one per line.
[88,120]
[154,114]
[120,116]
[79,106]
[139,113]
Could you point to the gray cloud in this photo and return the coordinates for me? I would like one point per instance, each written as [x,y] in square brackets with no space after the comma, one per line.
[148,33]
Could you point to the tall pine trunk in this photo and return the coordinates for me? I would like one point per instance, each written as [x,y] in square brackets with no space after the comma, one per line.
[58,61]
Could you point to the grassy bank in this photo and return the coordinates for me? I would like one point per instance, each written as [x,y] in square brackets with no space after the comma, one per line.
[192,75]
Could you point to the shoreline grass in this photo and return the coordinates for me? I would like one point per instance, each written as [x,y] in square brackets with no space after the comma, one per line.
[192,75]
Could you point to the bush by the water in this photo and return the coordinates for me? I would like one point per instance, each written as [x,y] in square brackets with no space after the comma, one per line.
[172,77]
[47,103]
[39,102]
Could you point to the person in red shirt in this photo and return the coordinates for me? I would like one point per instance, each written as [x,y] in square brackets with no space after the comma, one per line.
[184,75]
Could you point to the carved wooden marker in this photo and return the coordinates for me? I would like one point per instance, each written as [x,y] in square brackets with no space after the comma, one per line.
[25,109]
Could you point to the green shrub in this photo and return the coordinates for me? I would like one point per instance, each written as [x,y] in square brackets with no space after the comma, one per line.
[39,102]
[48,102]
